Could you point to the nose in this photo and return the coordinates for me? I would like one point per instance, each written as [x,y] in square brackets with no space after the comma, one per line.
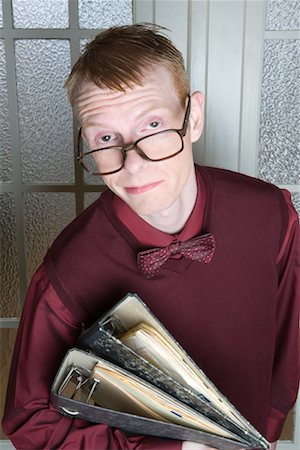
[133,161]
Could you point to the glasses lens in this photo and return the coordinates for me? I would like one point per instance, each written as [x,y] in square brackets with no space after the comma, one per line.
[102,161]
[161,145]
[157,147]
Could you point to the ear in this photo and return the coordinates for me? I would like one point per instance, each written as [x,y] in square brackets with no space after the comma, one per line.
[196,121]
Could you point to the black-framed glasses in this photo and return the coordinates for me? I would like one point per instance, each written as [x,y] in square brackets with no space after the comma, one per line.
[153,147]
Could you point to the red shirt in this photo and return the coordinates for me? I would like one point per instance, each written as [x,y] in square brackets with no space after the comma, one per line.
[48,327]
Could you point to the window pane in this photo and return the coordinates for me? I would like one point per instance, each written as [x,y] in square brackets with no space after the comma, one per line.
[279,156]
[46,214]
[45,117]
[104,13]
[34,14]
[296,201]
[5,143]
[9,292]
[282,15]
[90,197]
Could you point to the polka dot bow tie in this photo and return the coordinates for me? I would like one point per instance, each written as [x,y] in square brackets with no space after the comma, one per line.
[199,249]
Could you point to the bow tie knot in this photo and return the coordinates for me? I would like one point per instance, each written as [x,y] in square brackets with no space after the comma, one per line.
[200,248]
[174,247]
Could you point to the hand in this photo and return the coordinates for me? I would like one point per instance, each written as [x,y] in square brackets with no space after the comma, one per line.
[189,445]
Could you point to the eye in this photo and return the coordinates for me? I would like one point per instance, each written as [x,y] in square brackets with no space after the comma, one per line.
[105,139]
[154,124]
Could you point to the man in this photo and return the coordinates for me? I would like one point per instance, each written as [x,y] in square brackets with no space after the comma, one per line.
[234,311]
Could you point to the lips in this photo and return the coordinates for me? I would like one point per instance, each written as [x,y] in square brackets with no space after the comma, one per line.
[135,190]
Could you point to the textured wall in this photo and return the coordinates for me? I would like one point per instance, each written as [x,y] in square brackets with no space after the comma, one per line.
[37,171]
[279,150]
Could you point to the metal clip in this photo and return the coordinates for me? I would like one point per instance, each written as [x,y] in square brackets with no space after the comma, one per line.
[78,385]
[113,325]
[94,386]
[74,381]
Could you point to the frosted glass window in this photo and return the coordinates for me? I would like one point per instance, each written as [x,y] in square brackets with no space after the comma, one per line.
[296,201]
[283,15]
[279,155]
[104,13]
[1,15]
[90,197]
[92,179]
[46,214]
[45,117]
[83,43]
[9,292]
[5,142]
[33,14]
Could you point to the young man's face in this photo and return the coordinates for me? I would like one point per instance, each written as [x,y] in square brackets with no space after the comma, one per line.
[122,118]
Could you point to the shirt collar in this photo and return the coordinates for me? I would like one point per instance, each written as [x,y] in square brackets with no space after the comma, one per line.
[148,236]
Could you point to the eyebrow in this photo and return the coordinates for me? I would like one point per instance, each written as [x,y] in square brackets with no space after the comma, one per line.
[148,111]
[93,124]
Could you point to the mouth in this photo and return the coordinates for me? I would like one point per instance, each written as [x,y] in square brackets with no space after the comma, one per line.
[135,190]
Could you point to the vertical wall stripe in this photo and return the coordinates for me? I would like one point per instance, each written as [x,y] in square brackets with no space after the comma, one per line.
[173,15]
[144,11]
[251,86]
[224,82]
[198,62]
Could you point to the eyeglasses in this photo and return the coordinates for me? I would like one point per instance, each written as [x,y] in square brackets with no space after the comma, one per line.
[154,147]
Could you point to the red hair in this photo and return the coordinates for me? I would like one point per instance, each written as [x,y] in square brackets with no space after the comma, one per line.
[120,57]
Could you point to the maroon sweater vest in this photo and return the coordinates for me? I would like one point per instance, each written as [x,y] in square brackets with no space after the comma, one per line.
[223,313]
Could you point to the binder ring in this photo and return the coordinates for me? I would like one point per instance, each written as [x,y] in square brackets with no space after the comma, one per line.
[69,411]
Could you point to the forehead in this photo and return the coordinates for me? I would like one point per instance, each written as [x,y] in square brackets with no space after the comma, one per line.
[157,88]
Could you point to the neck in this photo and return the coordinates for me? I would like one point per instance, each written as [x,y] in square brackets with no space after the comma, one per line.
[173,219]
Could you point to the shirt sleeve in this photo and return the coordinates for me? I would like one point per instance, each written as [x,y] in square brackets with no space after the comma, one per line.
[286,368]
[47,330]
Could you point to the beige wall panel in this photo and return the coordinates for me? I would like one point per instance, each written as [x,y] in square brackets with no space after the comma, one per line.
[225,46]
[173,14]
[143,11]
[252,72]
[198,39]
